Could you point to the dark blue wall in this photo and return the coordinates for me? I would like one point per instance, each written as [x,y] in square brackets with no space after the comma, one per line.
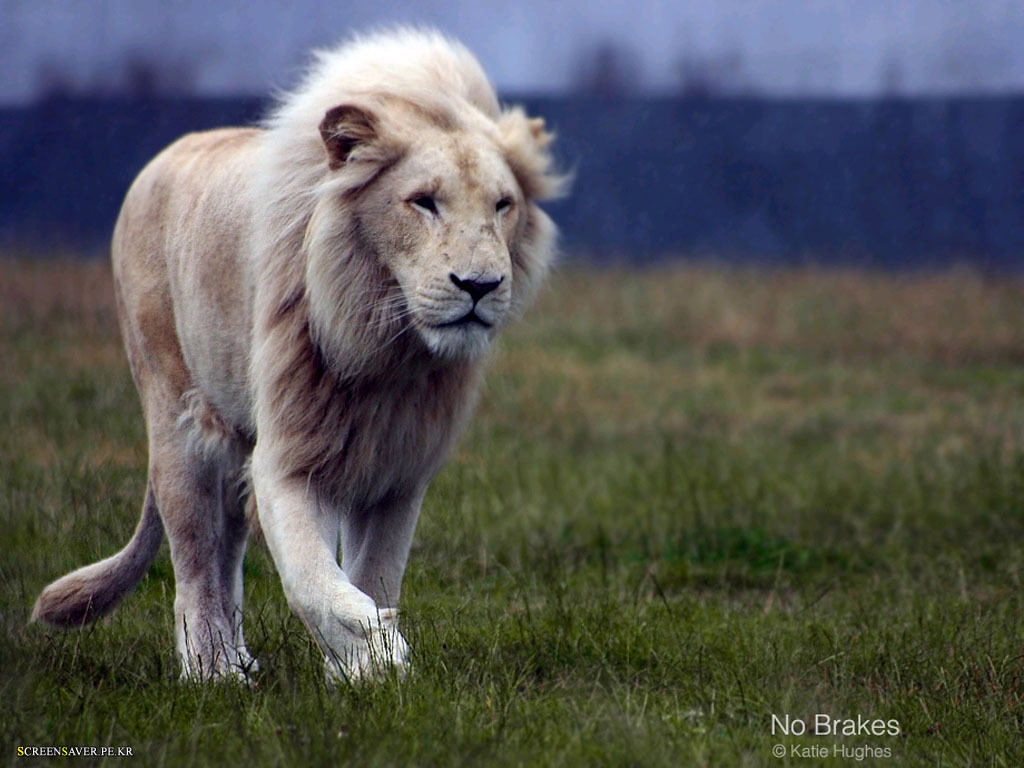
[891,183]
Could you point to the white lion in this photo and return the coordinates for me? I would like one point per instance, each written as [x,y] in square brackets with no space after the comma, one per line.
[308,304]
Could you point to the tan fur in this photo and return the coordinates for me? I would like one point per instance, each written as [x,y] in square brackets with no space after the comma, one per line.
[285,293]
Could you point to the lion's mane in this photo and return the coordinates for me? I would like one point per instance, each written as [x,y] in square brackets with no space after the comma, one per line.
[359,402]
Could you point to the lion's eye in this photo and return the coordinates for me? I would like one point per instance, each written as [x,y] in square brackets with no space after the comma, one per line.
[426,202]
[503,205]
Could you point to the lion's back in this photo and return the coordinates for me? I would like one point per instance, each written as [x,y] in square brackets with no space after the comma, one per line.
[169,187]
[181,257]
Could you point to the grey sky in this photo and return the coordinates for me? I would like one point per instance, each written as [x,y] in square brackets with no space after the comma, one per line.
[780,46]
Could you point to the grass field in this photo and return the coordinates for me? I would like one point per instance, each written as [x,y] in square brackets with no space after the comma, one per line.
[692,498]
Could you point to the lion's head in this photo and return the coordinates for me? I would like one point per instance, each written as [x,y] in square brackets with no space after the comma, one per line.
[438,207]
[424,225]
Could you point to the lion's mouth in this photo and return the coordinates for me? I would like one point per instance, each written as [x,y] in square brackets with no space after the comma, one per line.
[470,318]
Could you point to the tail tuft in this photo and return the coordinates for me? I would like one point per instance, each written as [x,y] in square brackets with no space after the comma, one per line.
[84,595]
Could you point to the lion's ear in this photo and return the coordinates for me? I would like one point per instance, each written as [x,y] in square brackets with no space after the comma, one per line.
[539,131]
[527,150]
[343,129]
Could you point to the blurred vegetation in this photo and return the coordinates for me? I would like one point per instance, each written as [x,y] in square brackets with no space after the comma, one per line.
[692,497]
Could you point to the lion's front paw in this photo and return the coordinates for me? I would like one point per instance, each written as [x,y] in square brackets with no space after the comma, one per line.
[370,653]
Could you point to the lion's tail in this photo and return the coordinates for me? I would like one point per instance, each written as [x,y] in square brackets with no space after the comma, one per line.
[93,591]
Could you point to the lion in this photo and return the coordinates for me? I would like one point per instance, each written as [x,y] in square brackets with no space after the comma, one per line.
[306,306]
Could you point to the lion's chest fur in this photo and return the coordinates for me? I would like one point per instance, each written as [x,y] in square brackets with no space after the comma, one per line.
[385,440]
[364,439]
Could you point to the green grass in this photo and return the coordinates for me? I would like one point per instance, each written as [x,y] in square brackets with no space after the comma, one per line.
[691,498]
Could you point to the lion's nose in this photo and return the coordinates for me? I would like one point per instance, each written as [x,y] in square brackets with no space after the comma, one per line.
[477,289]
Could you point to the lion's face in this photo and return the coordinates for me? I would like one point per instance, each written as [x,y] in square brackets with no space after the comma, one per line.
[442,220]
[424,227]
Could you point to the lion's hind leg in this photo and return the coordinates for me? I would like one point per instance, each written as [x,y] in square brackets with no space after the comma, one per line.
[197,493]
[236,493]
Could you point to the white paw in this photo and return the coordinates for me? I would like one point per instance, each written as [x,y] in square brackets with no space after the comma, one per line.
[376,648]
[227,665]
[206,656]
[244,663]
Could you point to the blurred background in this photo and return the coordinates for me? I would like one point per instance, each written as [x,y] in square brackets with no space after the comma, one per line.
[878,132]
